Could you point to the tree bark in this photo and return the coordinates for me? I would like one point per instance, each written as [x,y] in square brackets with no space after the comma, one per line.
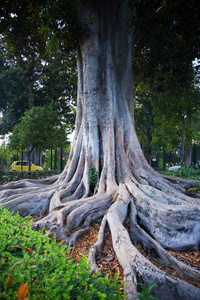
[161,216]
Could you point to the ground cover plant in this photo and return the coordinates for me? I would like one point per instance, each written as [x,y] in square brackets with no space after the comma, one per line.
[187,173]
[33,266]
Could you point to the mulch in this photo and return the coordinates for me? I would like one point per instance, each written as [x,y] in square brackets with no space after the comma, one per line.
[111,268]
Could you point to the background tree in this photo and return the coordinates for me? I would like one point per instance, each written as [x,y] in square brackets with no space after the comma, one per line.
[31,73]
[144,118]
[159,213]
[168,71]
[39,129]
[183,107]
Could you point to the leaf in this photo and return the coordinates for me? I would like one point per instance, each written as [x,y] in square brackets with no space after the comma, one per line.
[29,250]
[8,281]
[22,291]
[116,271]
[21,226]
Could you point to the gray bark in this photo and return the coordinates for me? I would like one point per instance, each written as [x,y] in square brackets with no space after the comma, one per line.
[160,214]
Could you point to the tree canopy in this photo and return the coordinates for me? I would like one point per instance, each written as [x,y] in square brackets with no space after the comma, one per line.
[40,128]
[32,73]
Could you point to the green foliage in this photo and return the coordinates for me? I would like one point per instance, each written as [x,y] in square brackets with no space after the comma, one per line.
[30,257]
[8,176]
[93,177]
[7,156]
[144,119]
[144,294]
[187,173]
[40,127]
[30,74]
[167,134]
[195,189]
[163,61]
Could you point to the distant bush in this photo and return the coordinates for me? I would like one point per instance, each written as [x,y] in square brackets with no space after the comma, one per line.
[36,267]
[187,173]
[8,176]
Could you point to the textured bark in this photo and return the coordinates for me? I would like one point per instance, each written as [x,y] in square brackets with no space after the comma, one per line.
[160,214]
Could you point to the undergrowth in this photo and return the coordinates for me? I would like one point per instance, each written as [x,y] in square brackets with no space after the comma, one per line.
[93,177]
[186,173]
[8,176]
[34,266]
[196,188]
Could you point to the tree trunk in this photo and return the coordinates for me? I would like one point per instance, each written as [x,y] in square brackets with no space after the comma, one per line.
[159,213]
[188,157]
[183,142]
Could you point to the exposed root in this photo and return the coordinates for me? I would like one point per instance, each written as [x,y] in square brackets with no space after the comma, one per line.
[96,249]
[159,217]
[173,226]
[76,235]
[137,234]
[184,183]
[145,271]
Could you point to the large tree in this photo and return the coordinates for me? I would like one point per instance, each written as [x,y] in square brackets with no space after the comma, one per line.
[31,74]
[160,215]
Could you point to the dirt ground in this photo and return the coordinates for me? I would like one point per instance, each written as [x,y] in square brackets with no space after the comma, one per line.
[110,266]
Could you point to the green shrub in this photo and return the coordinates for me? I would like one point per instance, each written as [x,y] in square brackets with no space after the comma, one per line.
[187,173]
[93,177]
[8,176]
[30,257]
[144,294]
[195,189]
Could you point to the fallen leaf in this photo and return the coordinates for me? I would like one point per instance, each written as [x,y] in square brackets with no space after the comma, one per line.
[8,281]
[116,271]
[29,250]
[77,248]
[21,226]
[198,259]
[22,291]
